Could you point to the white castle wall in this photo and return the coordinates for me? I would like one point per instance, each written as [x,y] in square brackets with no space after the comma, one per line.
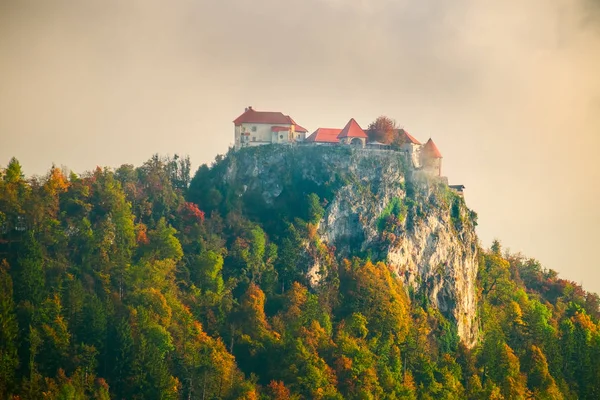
[262,134]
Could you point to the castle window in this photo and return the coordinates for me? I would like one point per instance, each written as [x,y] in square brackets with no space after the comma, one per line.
[254,129]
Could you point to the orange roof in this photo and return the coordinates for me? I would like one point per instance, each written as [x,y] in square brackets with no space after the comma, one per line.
[352,129]
[401,134]
[407,137]
[325,135]
[431,150]
[251,116]
[300,129]
[297,128]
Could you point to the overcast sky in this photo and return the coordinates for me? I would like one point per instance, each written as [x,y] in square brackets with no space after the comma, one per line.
[509,90]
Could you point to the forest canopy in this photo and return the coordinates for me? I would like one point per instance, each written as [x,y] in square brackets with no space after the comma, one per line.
[145,283]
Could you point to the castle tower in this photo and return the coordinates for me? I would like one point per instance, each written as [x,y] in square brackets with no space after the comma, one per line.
[431,158]
[353,134]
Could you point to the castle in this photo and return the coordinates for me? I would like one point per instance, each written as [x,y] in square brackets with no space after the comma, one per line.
[256,128]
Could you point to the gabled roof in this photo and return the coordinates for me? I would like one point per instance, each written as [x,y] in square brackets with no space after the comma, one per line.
[262,117]
[325,135]
[251,116]
[431,150]
[400,134]
[352,129]
[406,137]
[298,128]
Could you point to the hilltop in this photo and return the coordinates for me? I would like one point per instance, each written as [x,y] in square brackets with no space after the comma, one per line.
[375,206]
[277,272]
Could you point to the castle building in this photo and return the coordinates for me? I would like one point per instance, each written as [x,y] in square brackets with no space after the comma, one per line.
[324,136]
[431,159]
[351,134]
[411,146]
[255,128]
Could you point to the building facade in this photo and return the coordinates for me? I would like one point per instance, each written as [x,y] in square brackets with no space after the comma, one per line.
[255,128]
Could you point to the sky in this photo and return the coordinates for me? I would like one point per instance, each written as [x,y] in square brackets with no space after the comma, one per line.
[509,90]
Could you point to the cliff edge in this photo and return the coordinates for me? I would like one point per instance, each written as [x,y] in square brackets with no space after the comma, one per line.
[375,207]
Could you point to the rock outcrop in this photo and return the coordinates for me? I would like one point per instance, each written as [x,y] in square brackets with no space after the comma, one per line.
[377,207]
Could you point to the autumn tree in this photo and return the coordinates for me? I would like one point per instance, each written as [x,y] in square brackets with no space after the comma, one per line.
[130,284]
[382,130]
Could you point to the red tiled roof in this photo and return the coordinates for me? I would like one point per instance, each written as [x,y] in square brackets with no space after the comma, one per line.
[352,129]
[297,128]
[300,129]
[401,134]
[407,137]
[431,150]
[251,116]
[325,135]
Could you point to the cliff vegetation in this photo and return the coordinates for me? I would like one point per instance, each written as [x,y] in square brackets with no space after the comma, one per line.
[275,273]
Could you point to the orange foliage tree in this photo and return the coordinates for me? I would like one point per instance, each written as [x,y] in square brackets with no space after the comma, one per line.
[382,130]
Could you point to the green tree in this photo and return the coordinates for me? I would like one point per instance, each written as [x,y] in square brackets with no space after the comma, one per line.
[206,273]
[539,380]
[163,242]
[31,276]
[9,331]
[502,366]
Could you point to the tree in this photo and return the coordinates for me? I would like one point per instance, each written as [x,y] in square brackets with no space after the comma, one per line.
[119,287]
[31,276]
[539,380]
[206,272]
[120,357]
[502,366]
[13,172]
[278,391]
[371,290]
[9,331]
[382,130]
[315,210]
[163,242]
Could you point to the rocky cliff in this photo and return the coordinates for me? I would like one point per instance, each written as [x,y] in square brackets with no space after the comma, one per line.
[376,207]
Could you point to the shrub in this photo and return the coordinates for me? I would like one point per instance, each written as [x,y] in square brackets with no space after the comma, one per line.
[394,208]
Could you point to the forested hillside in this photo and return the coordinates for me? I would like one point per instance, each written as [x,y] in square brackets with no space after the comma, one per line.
[143,283]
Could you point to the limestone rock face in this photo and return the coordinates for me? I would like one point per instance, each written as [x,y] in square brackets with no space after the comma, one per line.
[379,208]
